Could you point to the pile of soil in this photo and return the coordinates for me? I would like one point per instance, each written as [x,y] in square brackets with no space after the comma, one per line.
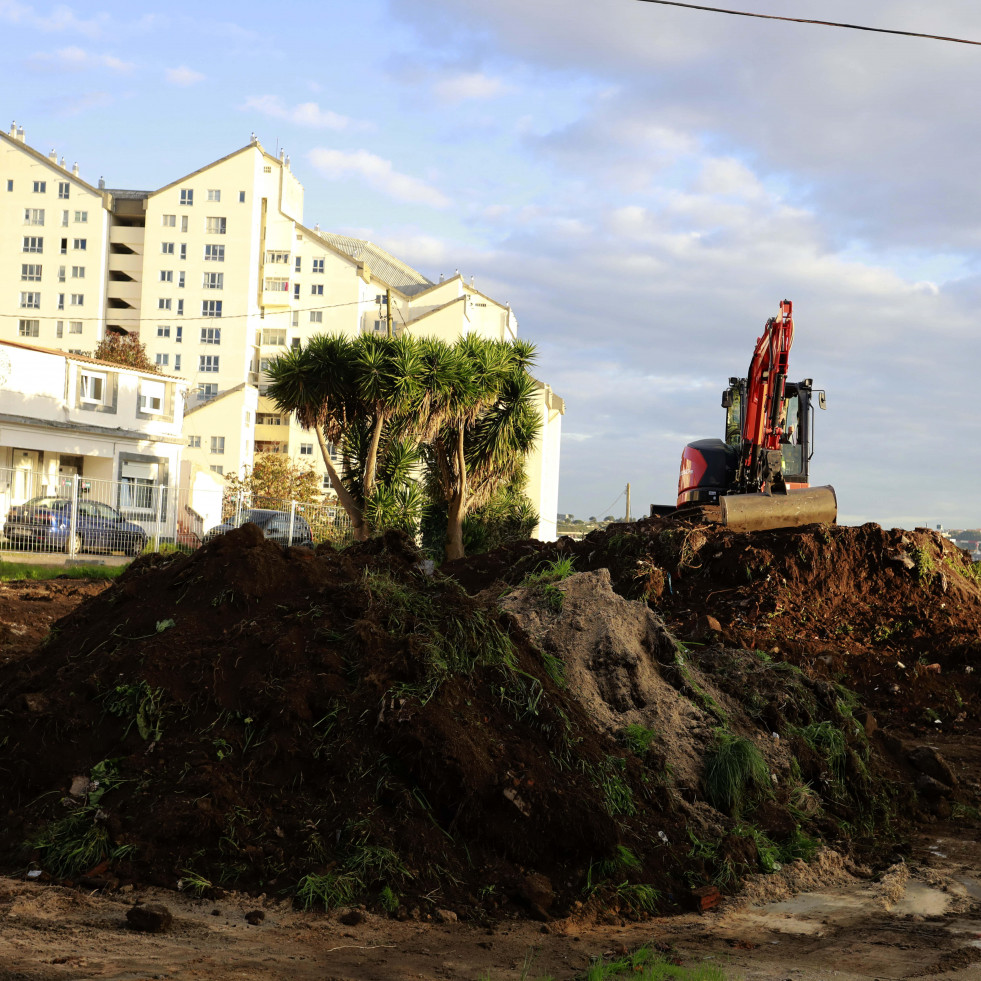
[346,727]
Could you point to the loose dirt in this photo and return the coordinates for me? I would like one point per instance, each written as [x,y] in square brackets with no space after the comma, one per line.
[469,768]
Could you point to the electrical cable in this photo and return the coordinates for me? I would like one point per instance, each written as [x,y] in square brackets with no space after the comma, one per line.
[805,20]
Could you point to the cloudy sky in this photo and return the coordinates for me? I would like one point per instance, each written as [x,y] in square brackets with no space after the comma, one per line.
[642,183]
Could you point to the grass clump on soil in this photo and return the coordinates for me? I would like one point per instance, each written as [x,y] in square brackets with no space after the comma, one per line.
[13,571]
[735,775]
[546,577]
[649,964]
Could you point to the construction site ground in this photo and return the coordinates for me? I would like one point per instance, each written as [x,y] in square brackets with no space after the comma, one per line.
[680,628]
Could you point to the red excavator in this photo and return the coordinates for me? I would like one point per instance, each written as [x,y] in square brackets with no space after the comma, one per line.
[758,475]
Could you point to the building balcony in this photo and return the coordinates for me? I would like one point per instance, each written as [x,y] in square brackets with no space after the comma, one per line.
[131,235]
[130,263]
[126,290]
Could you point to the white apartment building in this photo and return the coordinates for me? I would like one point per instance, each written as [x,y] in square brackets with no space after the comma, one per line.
[218,275]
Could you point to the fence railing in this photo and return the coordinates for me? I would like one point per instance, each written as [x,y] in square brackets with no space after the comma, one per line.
[71,515]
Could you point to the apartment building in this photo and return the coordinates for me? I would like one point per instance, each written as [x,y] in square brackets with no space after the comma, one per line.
[218,275]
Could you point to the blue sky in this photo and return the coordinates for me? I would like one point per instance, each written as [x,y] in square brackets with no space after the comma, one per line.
[644,185]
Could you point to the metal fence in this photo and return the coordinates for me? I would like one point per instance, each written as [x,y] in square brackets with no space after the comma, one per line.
[70,517]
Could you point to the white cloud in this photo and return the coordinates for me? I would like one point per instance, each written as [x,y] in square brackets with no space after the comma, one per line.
[304,114]
[183,76]
[378,174]
[469,85]
[73,59]
[61,18]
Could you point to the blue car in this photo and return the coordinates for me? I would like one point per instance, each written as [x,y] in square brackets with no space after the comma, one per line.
[45,523]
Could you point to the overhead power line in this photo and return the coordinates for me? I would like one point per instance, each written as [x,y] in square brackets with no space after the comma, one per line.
[805,20]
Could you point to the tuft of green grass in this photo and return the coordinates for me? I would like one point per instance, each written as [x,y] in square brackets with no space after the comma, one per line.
[736,776]
[648,964]
[637,738]
[550,572]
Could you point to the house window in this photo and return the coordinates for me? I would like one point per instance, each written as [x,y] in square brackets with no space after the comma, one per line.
[60,328]
[79,243]
[64,246]
[274,336]
[318,265]
[215,468]
[92,387]
[163,330]
[211,308]
[78,272]
[211,335]
[163,303]
[317,289]
[33,243]
[296,291]
[30,300]
[161,360]
[217,444]
[167,248]
[194,442]
[297,265]
[187,196]
[276,285]
[63,189]
[277,257]
[184,223]
[34,216]
[151,396]
[64,219]
[30,273]
[61,301]
[166,275]
[208,362]
[82,217]
[214,253]
[214,195]
[306,449]
[168,221]
[295,343]
[136,492]
[10,185]
[61,274]
[295,318]
[180,308]
[208,390]
[180,279]
[316,316]
[180,335]
[74,326]
[78,299]
[215,226]
[213,281]
[40,187]
[183,250]
[241,196]
[28,328]
[177,362]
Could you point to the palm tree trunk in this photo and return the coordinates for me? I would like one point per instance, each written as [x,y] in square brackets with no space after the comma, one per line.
[457,504]
[343,495]
[371,460]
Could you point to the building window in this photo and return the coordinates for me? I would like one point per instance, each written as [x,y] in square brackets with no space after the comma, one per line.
[166,275]
[187,196]
[151,396]
[64,246]
[61,301]
[241,196]
[167,248]
[180,335]
[277,257]
[215,468]
[316,316]
[78,272]
[268,419]
[295,318]
[184,223]
[168,221]
[317,289]
[211,308]
[267,169]
[194,442]
[213,281]
[34,216]
[296,291]
[163,303]
[92,387]
[74,326]
[306,449]
[61,274]
[79,244]
[214,195]
[318,265]
[28,328]
[215,226]
[180,279]
[40,187]
[276,285]
[63,189]
[208,390]
[274,336]
[30,273]
[217,444]
[78,300]
[30,300]
[64,219]
[298,264]
[211,335]
[82,217]
[163,330]
[208,362]
[161,360]
[10,185]
[177,362]
[214,253]
[33,243]
[60,328]
[183,250]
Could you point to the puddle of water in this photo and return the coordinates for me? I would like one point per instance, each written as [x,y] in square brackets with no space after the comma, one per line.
[972,887]
[923,900]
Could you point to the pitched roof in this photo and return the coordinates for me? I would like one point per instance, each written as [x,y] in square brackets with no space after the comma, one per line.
[396,273]
[64,174]
[85,359]
[217,398]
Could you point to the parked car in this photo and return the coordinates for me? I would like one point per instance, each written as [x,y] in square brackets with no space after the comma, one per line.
[46,523]
[275,526]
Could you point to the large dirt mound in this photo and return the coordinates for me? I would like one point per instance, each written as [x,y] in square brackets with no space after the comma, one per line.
[346,727]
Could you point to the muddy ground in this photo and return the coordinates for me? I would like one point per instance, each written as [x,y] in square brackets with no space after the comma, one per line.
[478,777]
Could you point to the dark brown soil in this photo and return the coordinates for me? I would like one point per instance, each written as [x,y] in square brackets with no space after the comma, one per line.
[343,725]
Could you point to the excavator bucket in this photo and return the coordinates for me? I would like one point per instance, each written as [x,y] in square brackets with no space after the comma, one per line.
[761,512]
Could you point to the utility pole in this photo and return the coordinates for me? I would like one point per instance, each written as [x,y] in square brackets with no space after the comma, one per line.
[628,503]
[388,310]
